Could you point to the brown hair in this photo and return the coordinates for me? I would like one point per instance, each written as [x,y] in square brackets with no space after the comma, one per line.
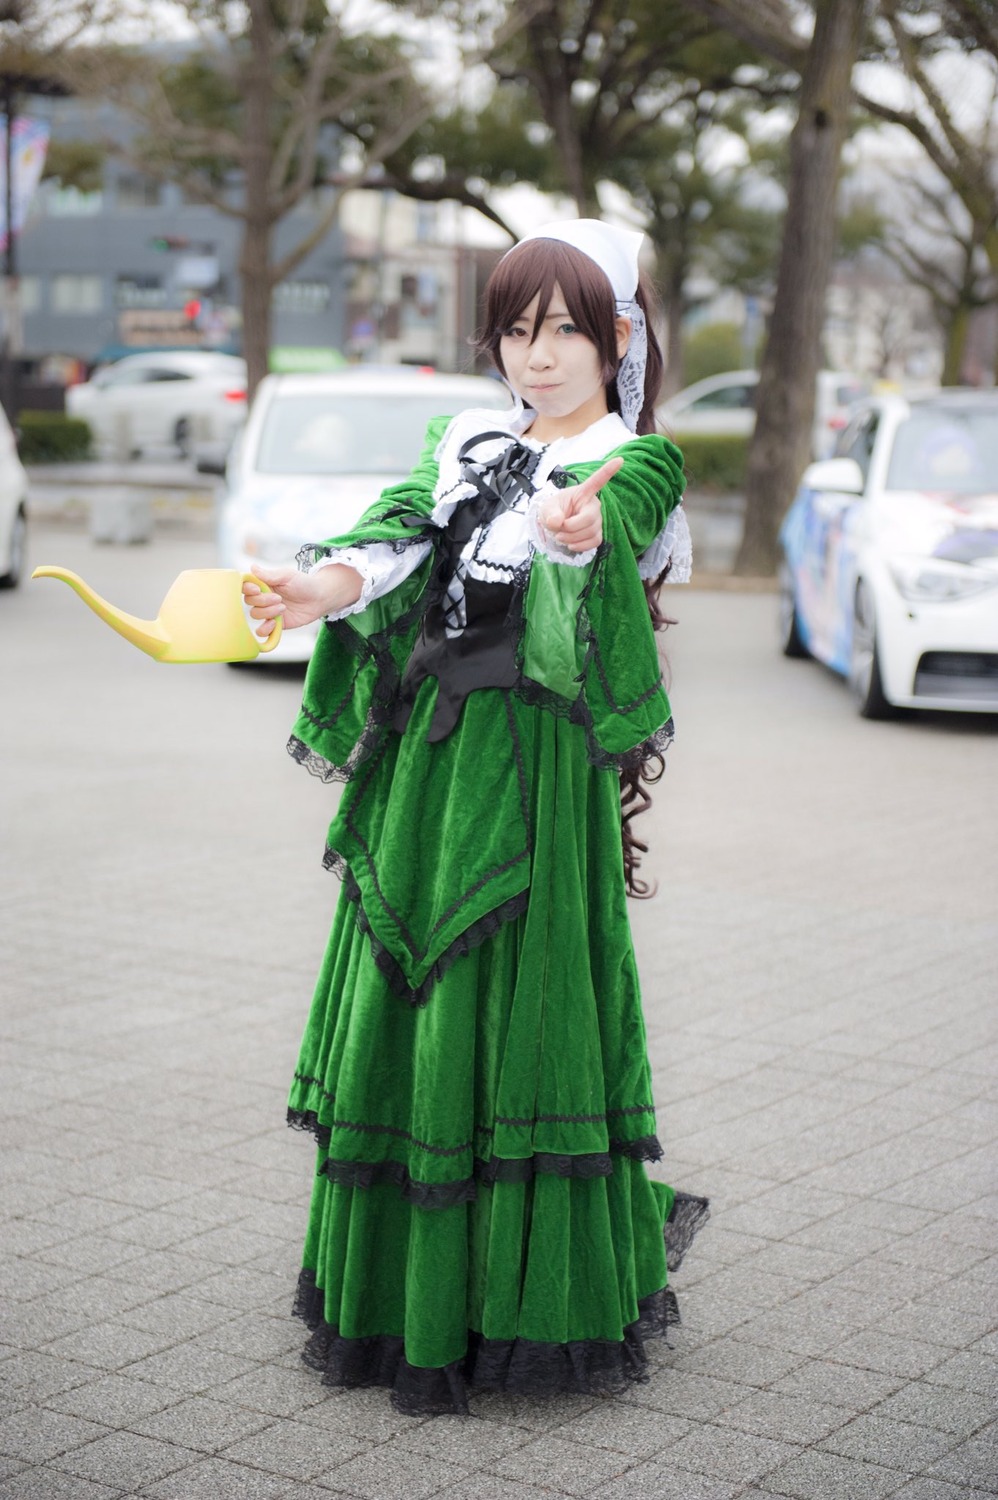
[531,270]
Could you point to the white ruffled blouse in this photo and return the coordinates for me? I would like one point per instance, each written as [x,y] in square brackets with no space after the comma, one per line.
[509,541]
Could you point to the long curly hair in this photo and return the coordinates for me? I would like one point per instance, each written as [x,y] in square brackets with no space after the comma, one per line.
[531,270]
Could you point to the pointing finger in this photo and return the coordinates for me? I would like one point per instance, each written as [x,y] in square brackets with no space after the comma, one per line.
[596,481]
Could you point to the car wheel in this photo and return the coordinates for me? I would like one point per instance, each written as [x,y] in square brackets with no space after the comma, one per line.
[864,663]
[182,437]
[791,640]
[18,544]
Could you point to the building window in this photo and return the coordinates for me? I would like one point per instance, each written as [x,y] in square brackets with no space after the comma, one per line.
[31,294]
[301,297]
[135,190]
[140,290]
[77,294]
[426,222]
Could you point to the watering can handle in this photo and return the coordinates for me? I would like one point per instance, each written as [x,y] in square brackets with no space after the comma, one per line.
[275,634]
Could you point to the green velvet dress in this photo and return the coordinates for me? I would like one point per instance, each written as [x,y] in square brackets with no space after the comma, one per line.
[474,1067]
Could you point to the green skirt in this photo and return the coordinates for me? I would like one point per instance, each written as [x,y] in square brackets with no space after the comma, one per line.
[479,1085]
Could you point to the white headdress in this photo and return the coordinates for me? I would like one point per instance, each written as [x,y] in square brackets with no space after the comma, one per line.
[615,251]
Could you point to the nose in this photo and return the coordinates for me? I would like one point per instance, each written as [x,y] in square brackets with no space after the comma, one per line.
[541,355]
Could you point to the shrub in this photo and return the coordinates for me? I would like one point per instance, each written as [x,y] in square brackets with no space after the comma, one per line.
[49,437]
[712,349]
[714,463]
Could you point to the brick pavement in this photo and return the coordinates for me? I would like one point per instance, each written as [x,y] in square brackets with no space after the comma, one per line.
[820,980]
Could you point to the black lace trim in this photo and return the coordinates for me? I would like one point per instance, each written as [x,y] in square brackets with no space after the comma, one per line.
[479,932]
[441,1195]
[577,710]
[535,695]
[306,557]
[595,1367]
[384,697]
[306,1119]
[687,1217]
[487,1171]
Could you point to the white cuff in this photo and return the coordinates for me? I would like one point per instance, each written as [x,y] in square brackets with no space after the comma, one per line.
[546,544]
[381,568]
[672,543]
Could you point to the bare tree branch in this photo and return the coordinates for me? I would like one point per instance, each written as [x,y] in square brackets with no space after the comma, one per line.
[766,25]
[450,188]
[303,125]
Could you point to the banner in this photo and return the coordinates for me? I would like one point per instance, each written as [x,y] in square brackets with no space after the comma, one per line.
[28,146]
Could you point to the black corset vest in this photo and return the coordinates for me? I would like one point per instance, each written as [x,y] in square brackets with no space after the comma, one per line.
[481,651]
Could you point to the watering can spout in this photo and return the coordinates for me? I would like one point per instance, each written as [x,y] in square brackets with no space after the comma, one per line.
[148,635]
[201,619]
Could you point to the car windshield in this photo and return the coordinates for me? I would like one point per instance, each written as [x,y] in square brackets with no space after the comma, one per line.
[319,433]
[951,449]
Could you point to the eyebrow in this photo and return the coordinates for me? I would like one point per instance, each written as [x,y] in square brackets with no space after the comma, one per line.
[548,316]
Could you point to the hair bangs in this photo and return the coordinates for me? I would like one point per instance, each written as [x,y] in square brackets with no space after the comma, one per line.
[532,269]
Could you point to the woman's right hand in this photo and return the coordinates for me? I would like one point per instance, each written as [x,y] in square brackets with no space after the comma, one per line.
[300,598]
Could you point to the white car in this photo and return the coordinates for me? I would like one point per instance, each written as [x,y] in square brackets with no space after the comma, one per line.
[890,555]
[317,450]
[723,405]
[150,402]
[13,509]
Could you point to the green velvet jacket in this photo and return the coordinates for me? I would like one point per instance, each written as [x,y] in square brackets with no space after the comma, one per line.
[585,652]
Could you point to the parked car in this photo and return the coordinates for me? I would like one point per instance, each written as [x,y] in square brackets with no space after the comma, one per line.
[171,400]
[317,450]
[724,405]
[890,565]
[13,509]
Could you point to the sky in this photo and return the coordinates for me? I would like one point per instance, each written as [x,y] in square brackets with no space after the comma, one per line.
[967,83]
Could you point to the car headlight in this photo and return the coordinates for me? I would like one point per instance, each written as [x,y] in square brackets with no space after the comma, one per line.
[930,580]
[269,547]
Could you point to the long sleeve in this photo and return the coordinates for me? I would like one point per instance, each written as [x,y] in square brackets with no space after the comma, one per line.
[358,659]
[588,638]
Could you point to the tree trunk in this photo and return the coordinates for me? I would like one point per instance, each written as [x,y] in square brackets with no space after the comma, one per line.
[673,270]
[780,446]
[552,79]
[956,343]
[672,264]
[672,379]
[255,253]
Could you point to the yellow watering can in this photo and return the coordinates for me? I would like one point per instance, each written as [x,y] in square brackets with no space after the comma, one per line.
[202,618]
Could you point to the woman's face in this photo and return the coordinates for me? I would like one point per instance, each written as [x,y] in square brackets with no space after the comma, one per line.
[558,373]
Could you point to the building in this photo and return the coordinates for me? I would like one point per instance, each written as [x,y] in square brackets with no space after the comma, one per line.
[134,265]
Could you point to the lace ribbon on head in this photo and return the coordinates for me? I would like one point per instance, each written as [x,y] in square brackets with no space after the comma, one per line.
[631,372]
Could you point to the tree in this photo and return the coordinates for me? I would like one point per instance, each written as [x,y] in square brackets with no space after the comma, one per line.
[915,36]
[779,448]
[635,93]
[272,101]
[948,262]
[697,216]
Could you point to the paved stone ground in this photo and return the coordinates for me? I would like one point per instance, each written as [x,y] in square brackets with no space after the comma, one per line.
[819,968]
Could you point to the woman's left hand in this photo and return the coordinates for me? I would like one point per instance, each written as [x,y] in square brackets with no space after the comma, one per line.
[574,518]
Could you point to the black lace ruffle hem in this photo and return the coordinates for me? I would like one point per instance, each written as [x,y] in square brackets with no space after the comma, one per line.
[486,1171]
[515,1366]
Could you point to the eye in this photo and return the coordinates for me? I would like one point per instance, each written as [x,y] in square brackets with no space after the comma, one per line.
[567,328]
[514,333]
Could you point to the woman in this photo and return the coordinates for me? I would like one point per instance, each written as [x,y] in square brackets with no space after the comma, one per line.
[474,1067]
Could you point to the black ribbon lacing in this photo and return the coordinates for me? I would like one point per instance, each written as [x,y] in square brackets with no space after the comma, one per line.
[502,480]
